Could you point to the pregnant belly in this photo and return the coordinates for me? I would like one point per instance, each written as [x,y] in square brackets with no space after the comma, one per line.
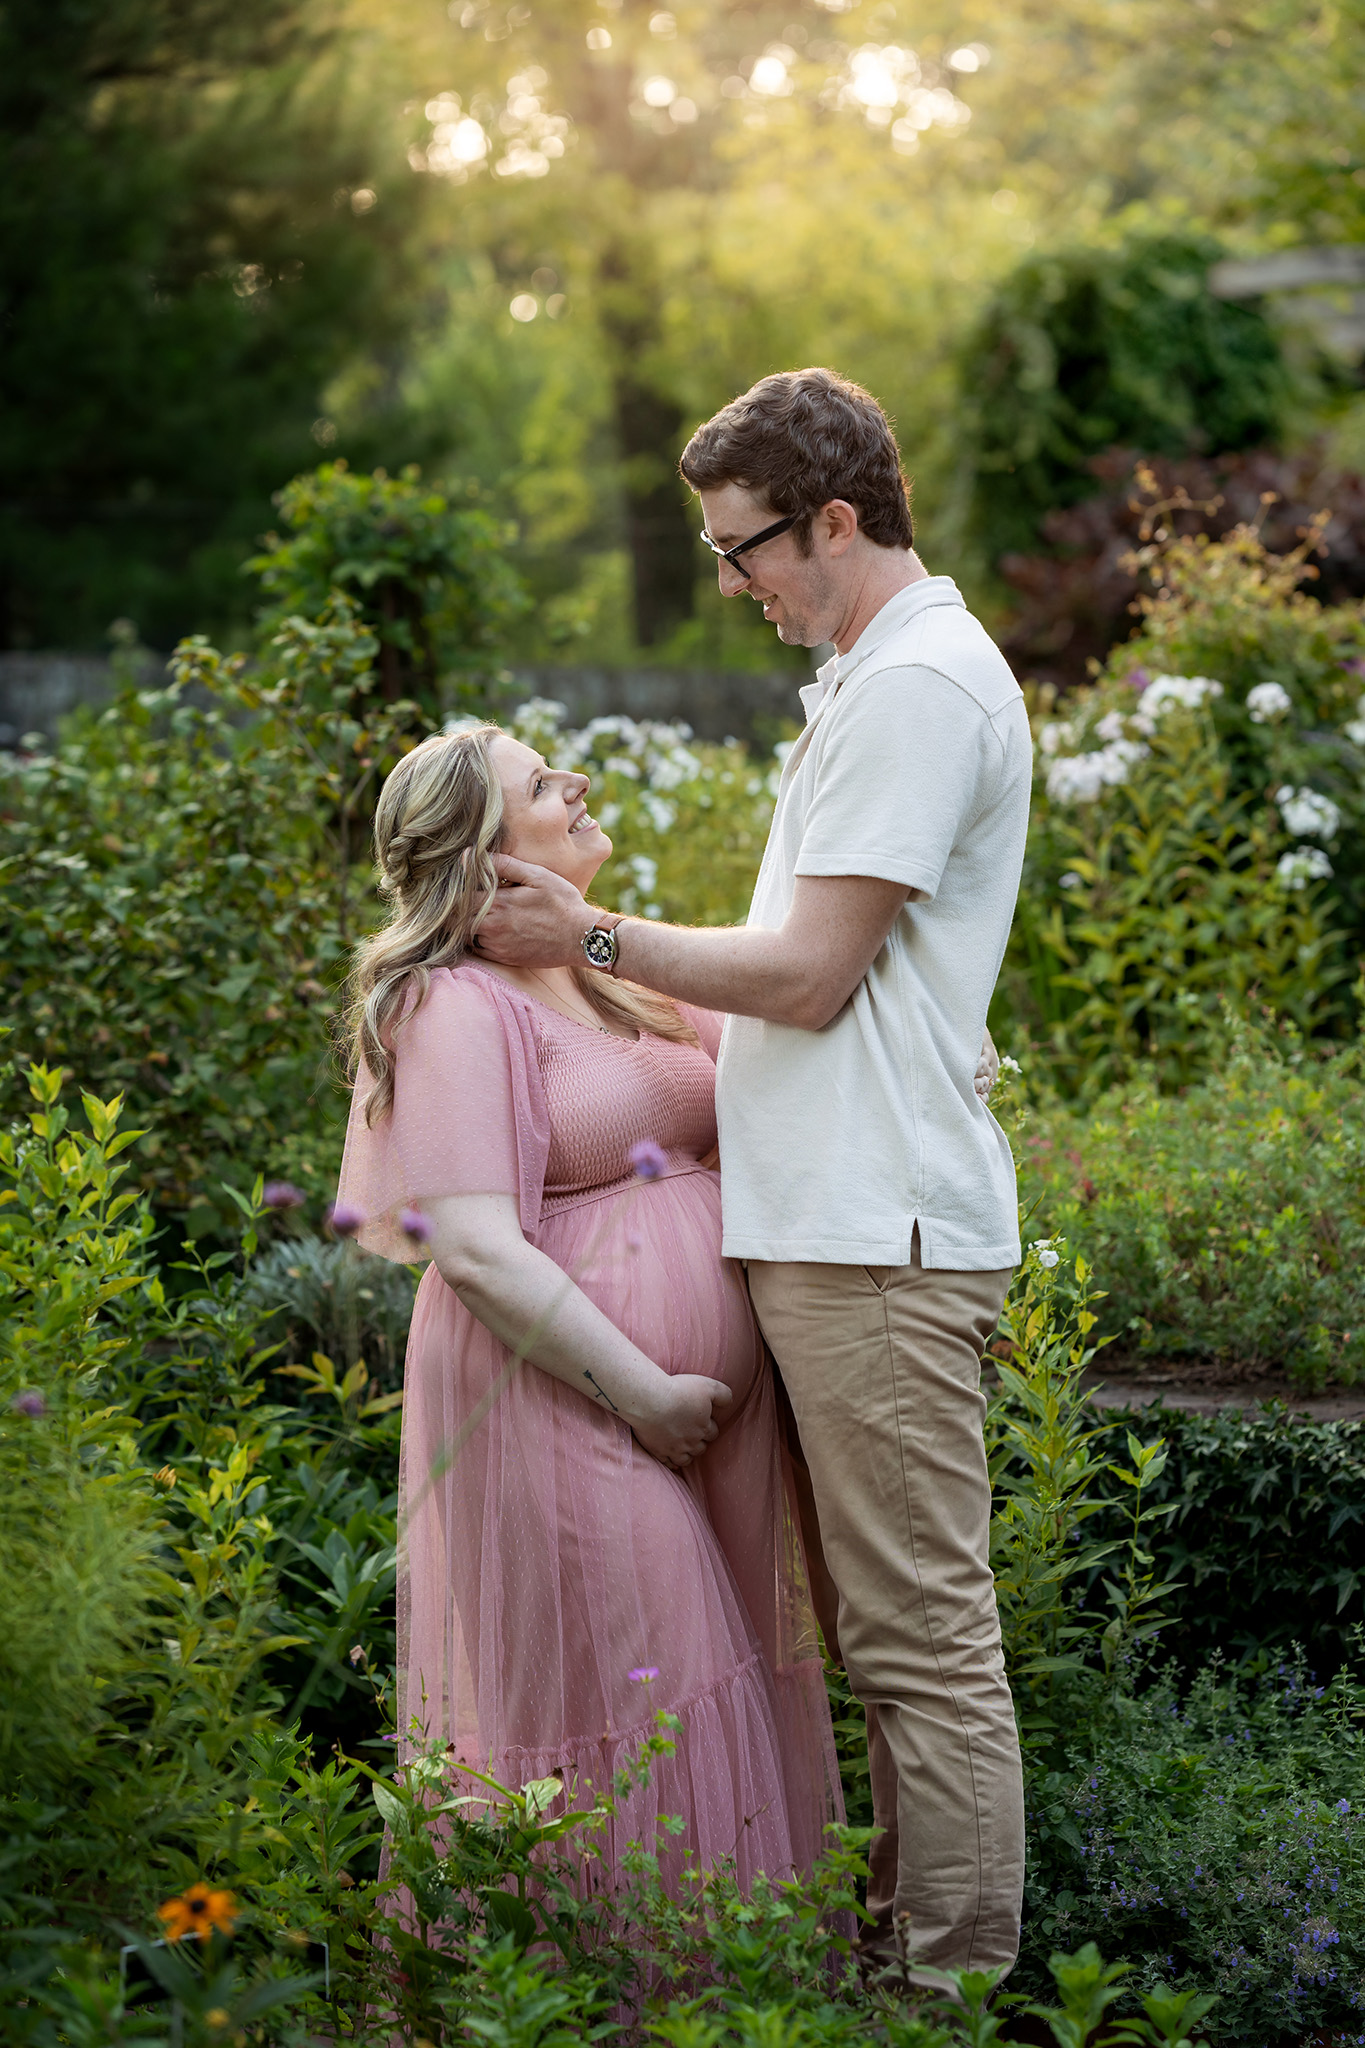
[649,1258]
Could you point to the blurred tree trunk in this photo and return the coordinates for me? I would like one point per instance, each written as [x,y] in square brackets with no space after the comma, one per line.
[648,426]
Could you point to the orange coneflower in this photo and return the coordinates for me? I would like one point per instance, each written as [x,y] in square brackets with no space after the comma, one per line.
[196,1912]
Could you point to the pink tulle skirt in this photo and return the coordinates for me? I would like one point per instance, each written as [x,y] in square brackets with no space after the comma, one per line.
[547,1561]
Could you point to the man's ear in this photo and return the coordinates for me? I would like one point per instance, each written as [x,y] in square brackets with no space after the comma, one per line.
[838,520]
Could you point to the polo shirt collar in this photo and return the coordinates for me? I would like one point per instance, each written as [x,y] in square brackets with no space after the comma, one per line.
[894,614]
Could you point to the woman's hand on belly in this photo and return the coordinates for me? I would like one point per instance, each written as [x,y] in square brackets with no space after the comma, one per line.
[529,1302]
[681,1423]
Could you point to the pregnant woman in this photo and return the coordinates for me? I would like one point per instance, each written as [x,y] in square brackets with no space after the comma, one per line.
[616,1504]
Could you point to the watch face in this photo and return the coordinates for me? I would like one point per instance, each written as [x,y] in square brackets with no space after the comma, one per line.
[600,948]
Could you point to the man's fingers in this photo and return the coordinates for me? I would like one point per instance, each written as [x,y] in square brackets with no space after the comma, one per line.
[509,869]
[721,1395]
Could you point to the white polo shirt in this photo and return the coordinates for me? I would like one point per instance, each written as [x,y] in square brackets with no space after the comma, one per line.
[915,766]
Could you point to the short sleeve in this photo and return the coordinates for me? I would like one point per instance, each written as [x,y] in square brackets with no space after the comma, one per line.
[464,1117]
[906,767]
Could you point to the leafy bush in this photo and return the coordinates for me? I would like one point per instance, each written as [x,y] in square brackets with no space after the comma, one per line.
[1089,347]
[323,1295]
[129,1671]
[1154,900]
[1047,1465]
[1215,1838]
[1228,1221]
[1162,872]
[180,890]
[1075,601]
[429,578]
[1263,1530]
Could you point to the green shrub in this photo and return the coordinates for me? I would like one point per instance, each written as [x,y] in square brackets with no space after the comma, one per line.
[1216,1838]
[323,1295]
[1228,1221]
[1163,873]
[1264,1531]
[1086,348]
[180,887]
[430,578]
[129,1672]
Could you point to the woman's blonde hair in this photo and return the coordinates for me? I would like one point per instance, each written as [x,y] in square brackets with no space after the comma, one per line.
[436,830]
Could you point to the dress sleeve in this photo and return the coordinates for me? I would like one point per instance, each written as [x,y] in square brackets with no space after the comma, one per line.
[708,1025]
[467,1118]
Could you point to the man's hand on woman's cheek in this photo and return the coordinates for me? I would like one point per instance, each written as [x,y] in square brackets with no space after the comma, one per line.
[537,919]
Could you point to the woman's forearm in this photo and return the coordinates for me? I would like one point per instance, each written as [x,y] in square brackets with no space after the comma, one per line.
[538,1311]
[529,1302]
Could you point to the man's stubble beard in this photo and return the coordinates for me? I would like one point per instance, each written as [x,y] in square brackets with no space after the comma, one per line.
[800,628]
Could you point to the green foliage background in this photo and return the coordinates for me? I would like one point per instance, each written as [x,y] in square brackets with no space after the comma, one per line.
[1093,348]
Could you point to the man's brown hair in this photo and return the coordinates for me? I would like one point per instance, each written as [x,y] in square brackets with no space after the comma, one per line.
[801,438]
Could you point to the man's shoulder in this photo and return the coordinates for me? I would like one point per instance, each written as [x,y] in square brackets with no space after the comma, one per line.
[951,643]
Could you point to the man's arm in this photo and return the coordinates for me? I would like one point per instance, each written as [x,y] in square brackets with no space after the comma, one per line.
[801,974]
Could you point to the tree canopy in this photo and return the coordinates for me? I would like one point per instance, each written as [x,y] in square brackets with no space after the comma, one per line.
[531,242]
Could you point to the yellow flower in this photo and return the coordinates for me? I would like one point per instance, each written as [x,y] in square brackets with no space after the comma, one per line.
[217,2016]
[196,1912]
[166,1477]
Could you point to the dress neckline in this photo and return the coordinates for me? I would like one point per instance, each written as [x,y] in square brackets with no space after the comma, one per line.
[599,1030]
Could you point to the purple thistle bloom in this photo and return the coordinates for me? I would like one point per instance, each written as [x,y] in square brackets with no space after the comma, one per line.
[282,1194]
[344,1219]
[643,1673]
[648,1160]
[30,1403]
[415,1224]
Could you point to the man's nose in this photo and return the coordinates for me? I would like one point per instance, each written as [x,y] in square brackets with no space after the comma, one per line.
[731,579]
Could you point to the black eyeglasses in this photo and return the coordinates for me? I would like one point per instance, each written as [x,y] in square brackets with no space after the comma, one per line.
[742,547]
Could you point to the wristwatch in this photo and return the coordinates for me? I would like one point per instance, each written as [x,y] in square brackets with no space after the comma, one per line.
[599,945]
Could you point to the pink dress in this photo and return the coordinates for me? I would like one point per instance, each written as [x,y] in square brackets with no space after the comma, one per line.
[544,1554]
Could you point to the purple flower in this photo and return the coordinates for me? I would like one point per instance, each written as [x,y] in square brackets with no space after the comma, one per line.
[30,1403]
[643,1673]
[648,1160]
[344,1219]
[1138,679]
[282,1194]
[415,1224]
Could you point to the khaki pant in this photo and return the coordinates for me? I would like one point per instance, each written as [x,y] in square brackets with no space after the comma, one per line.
[883,1366]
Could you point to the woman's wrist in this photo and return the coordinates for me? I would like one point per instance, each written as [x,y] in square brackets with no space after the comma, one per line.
[647,1400]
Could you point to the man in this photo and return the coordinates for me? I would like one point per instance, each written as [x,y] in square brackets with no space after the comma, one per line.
[865,1183]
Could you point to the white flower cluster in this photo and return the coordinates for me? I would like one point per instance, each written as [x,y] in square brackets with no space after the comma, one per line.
[1267,702]
[636,899]
[1305,864]
[1079,778]
[1047,1257]
[1163,691]
[1307,814]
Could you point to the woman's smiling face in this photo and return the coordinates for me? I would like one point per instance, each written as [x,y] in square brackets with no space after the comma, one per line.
[545,813]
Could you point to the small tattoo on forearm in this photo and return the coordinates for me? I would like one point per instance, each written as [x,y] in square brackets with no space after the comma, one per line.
[602,1394]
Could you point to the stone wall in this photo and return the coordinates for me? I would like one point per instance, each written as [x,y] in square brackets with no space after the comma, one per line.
[36,690]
